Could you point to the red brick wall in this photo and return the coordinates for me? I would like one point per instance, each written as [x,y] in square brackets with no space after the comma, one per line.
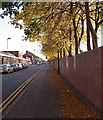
[84,72]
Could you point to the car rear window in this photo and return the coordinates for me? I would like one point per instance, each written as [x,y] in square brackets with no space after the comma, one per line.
[2,65]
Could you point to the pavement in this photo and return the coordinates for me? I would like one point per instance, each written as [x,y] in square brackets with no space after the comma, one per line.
[40,100]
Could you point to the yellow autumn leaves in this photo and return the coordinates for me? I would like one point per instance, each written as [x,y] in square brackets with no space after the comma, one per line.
[61,24]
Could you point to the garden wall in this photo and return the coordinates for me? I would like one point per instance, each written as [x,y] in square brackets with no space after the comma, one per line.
[84,71]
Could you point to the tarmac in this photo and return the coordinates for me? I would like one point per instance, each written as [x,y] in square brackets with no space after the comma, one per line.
[40,99]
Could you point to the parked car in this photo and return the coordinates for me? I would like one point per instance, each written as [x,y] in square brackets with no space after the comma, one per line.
[26,65]
[15,67]
[30,63]
[23,66]
[6,68]
[20,66]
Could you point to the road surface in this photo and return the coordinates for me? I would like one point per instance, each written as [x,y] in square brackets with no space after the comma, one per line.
[10,82]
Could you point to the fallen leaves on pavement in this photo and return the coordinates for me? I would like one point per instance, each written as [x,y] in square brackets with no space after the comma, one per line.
[72,106]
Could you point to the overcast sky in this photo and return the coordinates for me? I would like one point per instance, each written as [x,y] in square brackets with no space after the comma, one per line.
[15,43]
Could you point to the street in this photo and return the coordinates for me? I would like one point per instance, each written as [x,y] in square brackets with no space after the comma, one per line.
[51,59]
[41,98]
[10,82]
[48,96]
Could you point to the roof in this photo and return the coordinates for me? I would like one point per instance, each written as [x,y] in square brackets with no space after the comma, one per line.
[29,54]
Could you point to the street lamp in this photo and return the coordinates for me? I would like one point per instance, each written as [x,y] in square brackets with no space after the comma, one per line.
[7,43]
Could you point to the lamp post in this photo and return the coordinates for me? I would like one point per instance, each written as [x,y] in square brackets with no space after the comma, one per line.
[7,43]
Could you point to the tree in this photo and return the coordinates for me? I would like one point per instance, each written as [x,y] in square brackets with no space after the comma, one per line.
[61,24]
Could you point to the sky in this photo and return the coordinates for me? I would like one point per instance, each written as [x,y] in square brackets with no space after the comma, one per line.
[15,42]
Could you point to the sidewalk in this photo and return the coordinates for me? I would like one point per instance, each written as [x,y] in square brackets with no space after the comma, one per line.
[48,97]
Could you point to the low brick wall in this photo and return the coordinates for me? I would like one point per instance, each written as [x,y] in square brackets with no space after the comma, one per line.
[84,71]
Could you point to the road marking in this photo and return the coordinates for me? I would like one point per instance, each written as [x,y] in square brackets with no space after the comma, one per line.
[9,100]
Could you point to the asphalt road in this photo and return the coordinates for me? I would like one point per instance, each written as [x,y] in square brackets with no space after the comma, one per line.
[10,82]
[40,100]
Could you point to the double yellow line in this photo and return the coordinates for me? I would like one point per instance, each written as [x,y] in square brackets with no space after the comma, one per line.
[10,99]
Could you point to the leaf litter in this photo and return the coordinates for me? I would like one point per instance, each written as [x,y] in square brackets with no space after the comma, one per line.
[72,106]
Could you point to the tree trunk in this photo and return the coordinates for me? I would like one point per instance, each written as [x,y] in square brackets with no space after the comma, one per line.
[64,53]
[82,31]
[70,37]
[60,53]
[58,62]
[70,31]
[75,36]
[93,34]
[74,26]
[90,27]
[88,32]
[96,16]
